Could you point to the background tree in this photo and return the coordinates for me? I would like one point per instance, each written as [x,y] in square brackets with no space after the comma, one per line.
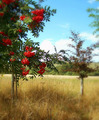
[94,13]
[80,58]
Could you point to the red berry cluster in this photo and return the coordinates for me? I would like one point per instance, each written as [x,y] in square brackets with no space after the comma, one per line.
[13,18]
[22,17]
[27,48]
[38,12]
[2,33]
[20,30]
[38,15]
[25,61]
[24,72]
[12,60]
[42,68]
[1,14]
[7,41]
[28,52]
[8,1]
[11,53]
[37,18]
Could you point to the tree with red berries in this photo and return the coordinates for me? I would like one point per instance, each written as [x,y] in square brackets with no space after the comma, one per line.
[18,53]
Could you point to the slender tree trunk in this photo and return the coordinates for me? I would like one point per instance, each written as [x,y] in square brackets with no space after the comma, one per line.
[82,87]
[12,90]
[16,84]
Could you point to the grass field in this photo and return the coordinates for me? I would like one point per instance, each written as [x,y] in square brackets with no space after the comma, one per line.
[50,98]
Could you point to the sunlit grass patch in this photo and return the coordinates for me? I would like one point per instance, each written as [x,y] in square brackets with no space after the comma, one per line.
[50,98]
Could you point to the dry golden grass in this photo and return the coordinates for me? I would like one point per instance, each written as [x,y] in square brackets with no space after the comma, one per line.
[50,98]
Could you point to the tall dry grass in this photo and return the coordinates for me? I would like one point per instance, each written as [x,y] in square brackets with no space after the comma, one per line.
[50,98]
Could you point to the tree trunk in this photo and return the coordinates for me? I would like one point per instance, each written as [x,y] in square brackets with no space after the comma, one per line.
[82,87]
[12,90]
[16,84]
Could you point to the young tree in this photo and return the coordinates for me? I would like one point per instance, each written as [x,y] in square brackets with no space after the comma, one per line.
[17,52]
[80,58]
